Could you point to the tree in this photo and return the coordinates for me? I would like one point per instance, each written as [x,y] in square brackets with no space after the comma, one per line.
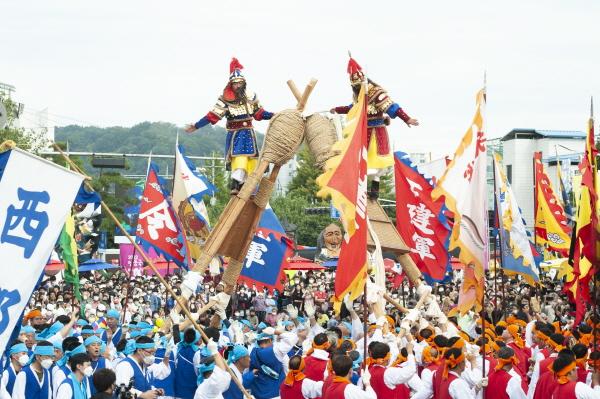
[304,183]
[28,140]
[293,211]
[219,179]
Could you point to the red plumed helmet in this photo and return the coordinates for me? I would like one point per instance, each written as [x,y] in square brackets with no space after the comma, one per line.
[235,70]
[355,71]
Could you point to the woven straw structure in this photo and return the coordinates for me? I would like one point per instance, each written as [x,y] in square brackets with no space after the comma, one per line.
[284,136]
[320,137]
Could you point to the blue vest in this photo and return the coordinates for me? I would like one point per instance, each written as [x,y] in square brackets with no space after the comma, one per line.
[33,390]
[185,375]
[68,381]
[12,376]
[115,338]
[96,365]
[168,383]
[141,381]
[264,386]
[233,392]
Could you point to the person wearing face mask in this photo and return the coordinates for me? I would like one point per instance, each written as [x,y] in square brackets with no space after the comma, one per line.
[141,367]
[18,358]
[92,345]
[77,384]
[33,381]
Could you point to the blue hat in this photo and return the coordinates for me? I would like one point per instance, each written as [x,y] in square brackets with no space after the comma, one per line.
[203,368]
[113,314]
[238,352]
[288,323]
[263,336]
[301,319]
[92,340]
[261,326]
[50,331]
[44,350]
[27,330]
[142,325]
[18,348]
[82,322]
[57,344]
[247,324]
[348,325]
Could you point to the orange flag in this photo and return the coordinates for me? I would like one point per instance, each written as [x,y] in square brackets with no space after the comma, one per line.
[345,179]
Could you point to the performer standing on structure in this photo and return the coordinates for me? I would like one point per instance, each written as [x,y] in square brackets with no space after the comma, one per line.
[379,109]
[239,106]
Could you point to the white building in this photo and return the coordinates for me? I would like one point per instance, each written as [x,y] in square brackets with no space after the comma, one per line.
[518,147]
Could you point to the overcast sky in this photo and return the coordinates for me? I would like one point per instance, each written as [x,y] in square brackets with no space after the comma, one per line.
[123,62]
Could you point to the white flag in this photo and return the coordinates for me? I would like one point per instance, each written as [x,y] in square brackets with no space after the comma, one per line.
[464,186]
[35,199]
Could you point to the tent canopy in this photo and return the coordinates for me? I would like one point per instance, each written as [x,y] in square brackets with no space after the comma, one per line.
[96,264]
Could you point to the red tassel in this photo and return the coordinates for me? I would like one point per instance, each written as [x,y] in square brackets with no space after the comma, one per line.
[235,64]
[353,66]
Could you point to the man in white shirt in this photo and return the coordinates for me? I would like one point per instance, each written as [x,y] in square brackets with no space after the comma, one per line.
[213,379]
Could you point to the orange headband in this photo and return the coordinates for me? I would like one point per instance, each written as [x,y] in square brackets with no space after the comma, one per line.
[586,339]
[514,332]
[399,360]
[324,346]
[32,314]
[428,357]
[382,361]
[503,362]
[459,344]
[295,375]
[562,374]
[451,363]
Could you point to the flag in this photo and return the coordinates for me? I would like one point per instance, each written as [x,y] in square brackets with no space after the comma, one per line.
[189,187]
[268,254]
[517,254]
[157,224]
[551,227]
[345,179]
[36,199]
[69,254]
[586,246]
[421,221]
[566,202]
[464,186]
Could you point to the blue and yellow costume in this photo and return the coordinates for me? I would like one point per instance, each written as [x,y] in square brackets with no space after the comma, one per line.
[241,151]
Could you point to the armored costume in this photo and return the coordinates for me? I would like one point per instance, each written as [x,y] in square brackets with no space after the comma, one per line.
[239,106]
[380,109]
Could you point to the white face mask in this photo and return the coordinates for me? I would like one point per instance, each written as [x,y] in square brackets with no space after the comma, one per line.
[23,360]
[88,371]
[149,360]
[47,363]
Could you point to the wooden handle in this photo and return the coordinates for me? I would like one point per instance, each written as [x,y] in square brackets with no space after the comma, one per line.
[309,88]
[294,90]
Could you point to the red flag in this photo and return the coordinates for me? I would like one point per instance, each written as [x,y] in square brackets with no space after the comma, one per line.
[345,179]
[157,224]
[420,220]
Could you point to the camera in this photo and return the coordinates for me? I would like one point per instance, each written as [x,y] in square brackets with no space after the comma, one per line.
[124,391]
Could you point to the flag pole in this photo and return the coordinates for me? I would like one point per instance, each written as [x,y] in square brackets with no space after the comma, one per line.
[160,278]
[482,313]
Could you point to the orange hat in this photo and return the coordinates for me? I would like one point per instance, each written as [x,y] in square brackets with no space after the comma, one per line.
[295,374]
[33,314]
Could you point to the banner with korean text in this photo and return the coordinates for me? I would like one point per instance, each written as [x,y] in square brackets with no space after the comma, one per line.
[35,199]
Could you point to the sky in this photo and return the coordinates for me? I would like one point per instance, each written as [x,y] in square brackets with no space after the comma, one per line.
[124,62]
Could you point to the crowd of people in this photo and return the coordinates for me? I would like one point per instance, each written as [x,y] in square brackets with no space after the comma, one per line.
[123,337]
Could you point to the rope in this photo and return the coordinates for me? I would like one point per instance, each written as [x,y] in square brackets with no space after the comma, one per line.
[320,137]
[232,272]
[284,136]
[264,193]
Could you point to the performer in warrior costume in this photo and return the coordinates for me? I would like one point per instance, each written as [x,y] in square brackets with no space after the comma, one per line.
[380,108]
[239,106]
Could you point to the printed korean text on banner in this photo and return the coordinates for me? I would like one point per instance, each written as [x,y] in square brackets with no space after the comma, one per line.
[158,226]
[464,186]
[35,199]
[132,262]
[421,221]
[268,254]
[345,179]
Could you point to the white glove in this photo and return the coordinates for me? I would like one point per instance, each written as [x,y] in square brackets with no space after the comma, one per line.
[374,292]
[405,325]
[292,311]
[482,384]
[175,317]
[348,302]
[423,324]
[269,331]
[190,284]
[412,315]
[212,347]
[423,289]
[279,330]
[309,309]
[381,320]
[222,300]
[170,347]
[366,377]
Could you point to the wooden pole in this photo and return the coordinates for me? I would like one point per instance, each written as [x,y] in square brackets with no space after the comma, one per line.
[160,278]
